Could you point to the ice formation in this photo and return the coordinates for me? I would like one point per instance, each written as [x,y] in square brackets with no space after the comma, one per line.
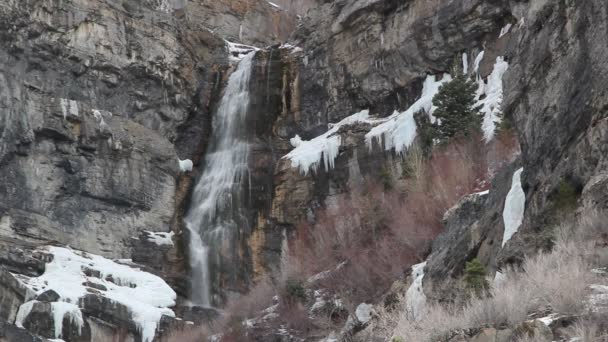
[308,155]
[490,93]
[398,131]
[146,296]
[415,298]
[513,213]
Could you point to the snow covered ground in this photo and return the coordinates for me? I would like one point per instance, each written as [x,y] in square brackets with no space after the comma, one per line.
[146,296]
[398,131]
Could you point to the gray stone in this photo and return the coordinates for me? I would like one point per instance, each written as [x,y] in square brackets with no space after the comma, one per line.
[48,296]
[473,229]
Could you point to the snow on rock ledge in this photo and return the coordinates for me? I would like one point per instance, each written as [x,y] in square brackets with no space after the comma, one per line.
[398,131]
[307,155]
[238,51]
[513,213]
[146,296]
[160,238]
[185,165]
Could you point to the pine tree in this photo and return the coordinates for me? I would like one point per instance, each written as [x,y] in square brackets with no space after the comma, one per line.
[426,132]
[475,277]
[456,112]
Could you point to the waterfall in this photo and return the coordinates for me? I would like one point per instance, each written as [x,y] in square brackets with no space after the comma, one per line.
[217,210]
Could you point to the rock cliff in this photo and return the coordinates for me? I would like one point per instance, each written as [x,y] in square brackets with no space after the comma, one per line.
[100,100]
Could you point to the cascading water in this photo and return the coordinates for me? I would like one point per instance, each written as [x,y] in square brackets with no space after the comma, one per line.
[217,212]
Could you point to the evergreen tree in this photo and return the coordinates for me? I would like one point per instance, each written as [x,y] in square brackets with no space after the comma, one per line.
[426,132]
[456,111]
[504,126]
[475,277]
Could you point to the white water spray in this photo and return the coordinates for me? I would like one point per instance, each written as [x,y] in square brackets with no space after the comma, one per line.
[216,212]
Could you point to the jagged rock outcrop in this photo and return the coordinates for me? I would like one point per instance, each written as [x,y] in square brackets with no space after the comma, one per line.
[259,23]
[375,54]
[94,95]
[99,101]
[473,229]
[562,130]
[556,94]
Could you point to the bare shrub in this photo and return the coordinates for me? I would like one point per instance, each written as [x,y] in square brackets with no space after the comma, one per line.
[437,323]
[502,150]
[258,299]
[380,233]
[193,334]
[374,233]
[593,328]
[557,281]
[356,232]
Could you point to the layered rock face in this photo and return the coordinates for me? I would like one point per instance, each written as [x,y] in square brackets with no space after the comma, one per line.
[99,101]
[257,23]
[370,55]
[375,54]
[93,96]
[557,96]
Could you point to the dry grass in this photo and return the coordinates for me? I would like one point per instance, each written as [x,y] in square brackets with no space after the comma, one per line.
[556,281]
[593,328]
[258,299]
[193,334]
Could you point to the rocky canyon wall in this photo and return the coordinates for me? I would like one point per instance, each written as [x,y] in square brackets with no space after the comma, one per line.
[99,101]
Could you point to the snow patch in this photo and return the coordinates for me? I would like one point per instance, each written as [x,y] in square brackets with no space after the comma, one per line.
[295,49]
[465,63]
[506,29]
[147,296]
[415,298]
[238,51]
[161,238]
[185,165]
[98,115]
[492,101]
[398,131]
[499,279]
[364,313]
[23,312]
[273,4]
[513,213]
[478,60]
[307,155]
[68,107]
